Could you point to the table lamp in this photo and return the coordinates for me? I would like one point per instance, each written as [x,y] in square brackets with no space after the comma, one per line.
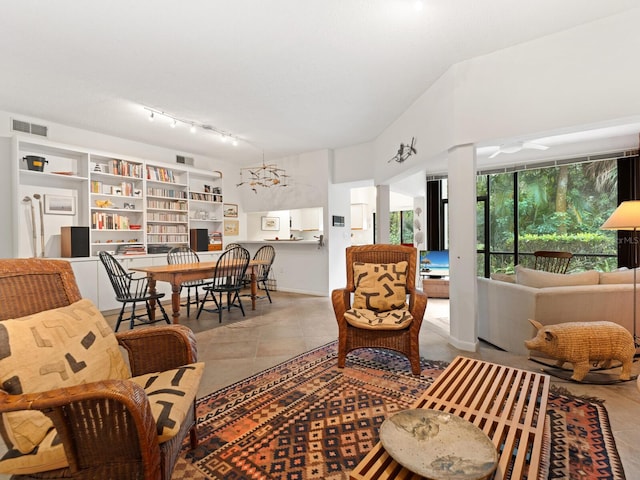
[627,217]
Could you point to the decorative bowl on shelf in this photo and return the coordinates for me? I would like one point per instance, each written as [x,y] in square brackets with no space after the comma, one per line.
[135,227]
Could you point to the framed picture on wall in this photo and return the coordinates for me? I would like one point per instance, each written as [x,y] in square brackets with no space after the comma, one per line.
[230,210]
[271,223]
[59,205]
[231,228]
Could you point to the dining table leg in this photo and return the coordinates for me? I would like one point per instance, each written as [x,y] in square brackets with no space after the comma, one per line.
[254,288]
[175,302]
[152,300]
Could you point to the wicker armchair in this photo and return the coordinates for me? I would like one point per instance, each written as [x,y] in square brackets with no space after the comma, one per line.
[106,427]
[403,340]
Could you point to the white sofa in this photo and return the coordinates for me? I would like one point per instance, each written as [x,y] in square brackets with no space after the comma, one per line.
[504,308]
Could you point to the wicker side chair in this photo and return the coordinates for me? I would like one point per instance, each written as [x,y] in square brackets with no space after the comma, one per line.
[403,340]
[552,261]
[106,427]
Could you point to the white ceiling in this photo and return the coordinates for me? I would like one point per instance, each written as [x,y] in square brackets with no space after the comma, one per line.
[285,76]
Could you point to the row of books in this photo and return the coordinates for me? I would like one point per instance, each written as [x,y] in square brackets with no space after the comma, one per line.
[109,221]
[166,192]
[126,189]
[160,174]
[130,249]
[119,167]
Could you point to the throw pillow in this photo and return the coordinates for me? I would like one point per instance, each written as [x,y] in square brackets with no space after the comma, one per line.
[56,348]
[540,279]
[380,286]
[621,275]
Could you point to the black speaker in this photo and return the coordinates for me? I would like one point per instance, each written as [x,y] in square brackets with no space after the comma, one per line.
[74,241]
[199,239]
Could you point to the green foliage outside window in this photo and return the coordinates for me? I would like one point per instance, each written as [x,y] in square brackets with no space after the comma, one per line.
[558,208]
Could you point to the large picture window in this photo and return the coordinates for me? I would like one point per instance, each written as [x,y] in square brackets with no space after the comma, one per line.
[548,208]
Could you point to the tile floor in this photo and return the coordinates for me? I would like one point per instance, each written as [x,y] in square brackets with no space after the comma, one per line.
[295,323]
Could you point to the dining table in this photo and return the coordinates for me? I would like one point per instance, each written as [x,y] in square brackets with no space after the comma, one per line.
[178,273]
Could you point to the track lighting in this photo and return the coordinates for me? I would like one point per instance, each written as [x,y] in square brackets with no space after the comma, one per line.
[224,136]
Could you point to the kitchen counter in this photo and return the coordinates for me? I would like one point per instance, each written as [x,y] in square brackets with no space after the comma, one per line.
[283,241]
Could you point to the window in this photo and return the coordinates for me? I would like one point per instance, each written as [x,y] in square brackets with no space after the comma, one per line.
[401,227]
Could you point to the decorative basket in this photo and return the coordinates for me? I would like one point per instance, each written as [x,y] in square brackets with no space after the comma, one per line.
[35,163]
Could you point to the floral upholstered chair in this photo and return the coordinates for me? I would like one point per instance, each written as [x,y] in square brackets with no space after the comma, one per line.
[387,309]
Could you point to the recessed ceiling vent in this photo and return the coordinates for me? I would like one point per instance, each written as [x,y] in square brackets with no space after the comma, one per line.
[31,128]
[184,160]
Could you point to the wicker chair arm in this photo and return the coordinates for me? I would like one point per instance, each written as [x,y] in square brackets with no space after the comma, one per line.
[341,299]
[106,427]
[417,306]
[159,349]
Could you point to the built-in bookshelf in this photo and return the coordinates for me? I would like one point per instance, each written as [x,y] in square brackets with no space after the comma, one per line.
[131,206]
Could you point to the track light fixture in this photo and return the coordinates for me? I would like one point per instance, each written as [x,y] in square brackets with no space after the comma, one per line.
[193,126]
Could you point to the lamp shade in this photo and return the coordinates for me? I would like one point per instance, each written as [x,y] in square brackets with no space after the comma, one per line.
[625,217]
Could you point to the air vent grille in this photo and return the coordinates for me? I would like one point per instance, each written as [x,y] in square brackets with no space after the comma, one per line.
[184,160]
[26,127]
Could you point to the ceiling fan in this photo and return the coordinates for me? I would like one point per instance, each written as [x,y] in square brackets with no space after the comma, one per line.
[516,147]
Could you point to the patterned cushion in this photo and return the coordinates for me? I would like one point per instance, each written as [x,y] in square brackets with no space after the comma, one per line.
[380,287]
[56,348]
[48,456]
[389,320]
[171,394]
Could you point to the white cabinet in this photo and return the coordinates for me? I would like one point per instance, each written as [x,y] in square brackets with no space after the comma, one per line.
[359,216]
[306,219]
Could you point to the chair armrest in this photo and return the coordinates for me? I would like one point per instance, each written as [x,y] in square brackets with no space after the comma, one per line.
[341,299]
[417,307]
[158,349]
[105,427]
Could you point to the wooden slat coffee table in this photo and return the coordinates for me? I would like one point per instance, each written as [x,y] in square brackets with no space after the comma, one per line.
[508,404]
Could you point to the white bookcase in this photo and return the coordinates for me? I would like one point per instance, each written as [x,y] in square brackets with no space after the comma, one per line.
[128,204]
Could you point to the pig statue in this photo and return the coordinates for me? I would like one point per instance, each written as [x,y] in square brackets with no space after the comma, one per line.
[582,343]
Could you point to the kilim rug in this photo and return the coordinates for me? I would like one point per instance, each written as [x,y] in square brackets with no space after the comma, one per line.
[306,419]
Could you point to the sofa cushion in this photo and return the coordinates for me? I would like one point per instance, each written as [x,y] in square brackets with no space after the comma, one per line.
[621,275]
[56,348]
[380,287]
[368,319]
[540,279]
[171,394]
[504,277]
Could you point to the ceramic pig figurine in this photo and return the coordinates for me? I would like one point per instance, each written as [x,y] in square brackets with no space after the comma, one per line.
[581,343]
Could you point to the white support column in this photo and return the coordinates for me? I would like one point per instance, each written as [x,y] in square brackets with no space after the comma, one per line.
[462,248]
[383,218]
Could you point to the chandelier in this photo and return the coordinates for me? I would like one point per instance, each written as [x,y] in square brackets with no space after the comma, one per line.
[265,176]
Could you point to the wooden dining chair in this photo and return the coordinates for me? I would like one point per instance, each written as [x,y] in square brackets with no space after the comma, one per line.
[552,261]
[184,254]
[229,272]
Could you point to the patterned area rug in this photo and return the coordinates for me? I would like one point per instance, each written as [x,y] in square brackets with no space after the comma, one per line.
[306,419]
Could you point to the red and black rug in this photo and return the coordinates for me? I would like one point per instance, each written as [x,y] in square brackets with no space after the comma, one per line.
[307,419]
